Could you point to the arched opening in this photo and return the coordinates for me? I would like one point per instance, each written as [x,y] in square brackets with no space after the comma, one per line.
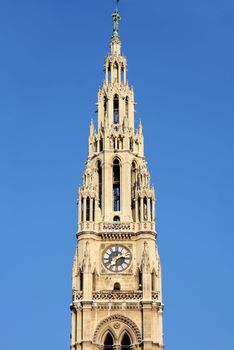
[99,171]
[131,144]
[139,279]
[82,209]
[151,209]
[116,109]
[101,145]
[81,280]
[95,146]
[116,72]
[109,73]
[126,106]
[88,209]
[126,342]
[133,190]
[139,209]
[93,209]
[145,208]
[105,104]
[122,74]
[117,286]
[94,280]
[108,343]
[116,218]
[116,185]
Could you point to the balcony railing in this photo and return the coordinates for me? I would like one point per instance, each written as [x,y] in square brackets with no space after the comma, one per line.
[114,295]
[109,227]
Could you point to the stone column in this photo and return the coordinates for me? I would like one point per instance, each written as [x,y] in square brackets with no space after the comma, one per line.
[79,325]
[119,73]
[136,210]
[79,210]
[106,74]
[153,210]
[126,191]
[73,333]
[87,325]
[125,75]
[147,324]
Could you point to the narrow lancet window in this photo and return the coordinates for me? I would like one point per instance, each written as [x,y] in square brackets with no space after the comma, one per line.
[105,104]
[108,343]
[133,190]
[93,209]
[101,145]
[99,170]
[139,279]
[145,208]
[81,280]
[116,109]
[122,74]
[82,209]
[116,185]
[126,107]
[151,209]
[88,209]
[126,342]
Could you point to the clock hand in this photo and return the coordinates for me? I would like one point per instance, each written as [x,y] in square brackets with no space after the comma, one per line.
[114,259]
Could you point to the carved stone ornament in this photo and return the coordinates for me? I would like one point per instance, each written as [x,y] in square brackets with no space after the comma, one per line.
[117,325]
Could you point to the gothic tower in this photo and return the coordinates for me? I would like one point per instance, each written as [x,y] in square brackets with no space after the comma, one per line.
[116,277]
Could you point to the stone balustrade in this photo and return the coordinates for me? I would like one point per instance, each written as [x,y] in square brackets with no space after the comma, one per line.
[109,227]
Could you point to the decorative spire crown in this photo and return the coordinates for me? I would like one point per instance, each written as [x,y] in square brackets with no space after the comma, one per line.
[115,40]
[116,19]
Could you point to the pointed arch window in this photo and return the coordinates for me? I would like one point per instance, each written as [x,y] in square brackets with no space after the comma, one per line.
[99,171]
[116,185]
[109,73]
[126,106]
[116,71]
[93,210]
[131,144]
[116,109]
[133,190]
[126,342]
[139,209]
[108,343]
[145,208]
[81,280]
[82,209]
[151,209]
[105,104]
[139,279]
[122,74]
[88,209]
[101,144]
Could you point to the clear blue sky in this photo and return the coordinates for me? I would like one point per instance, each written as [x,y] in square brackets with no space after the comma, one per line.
[181,63]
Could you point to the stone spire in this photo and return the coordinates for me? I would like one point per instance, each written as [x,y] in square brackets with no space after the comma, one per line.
[115,44]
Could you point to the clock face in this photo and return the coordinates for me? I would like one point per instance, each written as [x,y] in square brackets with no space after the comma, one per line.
[117,258]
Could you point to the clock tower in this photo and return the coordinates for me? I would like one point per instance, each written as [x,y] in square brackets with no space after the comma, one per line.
[116,276]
